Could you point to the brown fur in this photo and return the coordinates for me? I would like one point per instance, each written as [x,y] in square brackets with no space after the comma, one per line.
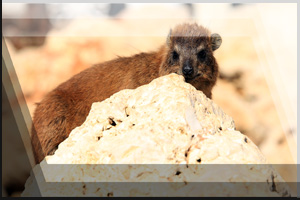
[68,105]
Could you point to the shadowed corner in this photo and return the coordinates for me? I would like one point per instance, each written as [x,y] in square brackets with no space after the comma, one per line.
[17,156]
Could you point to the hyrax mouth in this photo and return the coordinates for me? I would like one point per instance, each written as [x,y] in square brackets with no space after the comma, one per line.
[189,78]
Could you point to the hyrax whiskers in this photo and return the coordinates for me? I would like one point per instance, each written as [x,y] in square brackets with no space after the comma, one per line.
[188,52]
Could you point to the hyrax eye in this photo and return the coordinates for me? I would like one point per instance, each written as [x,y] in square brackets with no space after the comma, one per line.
[201,55]
[175,55]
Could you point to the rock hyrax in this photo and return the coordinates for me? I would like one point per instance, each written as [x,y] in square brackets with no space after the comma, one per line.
[188,51]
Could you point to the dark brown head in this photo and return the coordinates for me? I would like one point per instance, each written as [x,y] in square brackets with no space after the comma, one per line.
[190,53]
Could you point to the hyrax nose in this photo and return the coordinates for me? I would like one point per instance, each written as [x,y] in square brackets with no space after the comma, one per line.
[187,70]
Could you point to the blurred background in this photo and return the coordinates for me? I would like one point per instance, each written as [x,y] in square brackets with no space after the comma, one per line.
[257,87]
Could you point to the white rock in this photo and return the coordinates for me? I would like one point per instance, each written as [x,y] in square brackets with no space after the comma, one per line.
[165,122]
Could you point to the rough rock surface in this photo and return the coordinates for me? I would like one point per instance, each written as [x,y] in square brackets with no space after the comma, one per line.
[165,122]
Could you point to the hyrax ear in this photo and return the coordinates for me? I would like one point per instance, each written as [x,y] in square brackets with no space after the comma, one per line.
[169,38]
[216,41]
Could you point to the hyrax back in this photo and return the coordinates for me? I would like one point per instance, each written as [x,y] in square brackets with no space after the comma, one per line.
[188,52]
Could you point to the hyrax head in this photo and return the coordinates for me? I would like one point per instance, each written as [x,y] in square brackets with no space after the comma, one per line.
[190,52]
